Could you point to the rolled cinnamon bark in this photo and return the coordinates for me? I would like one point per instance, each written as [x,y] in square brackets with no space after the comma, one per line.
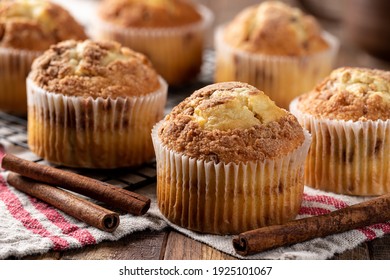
[128,201]
[69,203]
[376,210]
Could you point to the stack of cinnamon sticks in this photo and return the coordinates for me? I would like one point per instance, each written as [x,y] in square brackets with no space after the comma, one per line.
[50,184]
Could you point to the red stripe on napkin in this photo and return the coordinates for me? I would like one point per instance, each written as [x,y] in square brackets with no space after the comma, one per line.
[16,209]
[337,203]
[82,235]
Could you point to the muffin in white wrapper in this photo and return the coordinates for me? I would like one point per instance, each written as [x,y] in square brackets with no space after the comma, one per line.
[275,48]
[215,196]
[348,115]
[175,51]
[27,29]
[93,133]
[15,66]
[106,107]
[347,157]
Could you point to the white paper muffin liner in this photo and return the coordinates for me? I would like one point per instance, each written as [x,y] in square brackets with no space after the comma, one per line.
[347,157]
[93,133]
[14,68]
[176,52]
[228,198]
[282,78]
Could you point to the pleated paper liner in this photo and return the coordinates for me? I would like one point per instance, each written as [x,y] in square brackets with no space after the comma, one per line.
[14,68]
[93,133]
[176,52]
[228,198]
[347,157]
[282,78]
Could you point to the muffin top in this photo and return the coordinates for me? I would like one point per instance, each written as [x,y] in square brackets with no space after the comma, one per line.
[356,94]
[94,68]
[149,13]
[230,122]
[36,24]
[274,28]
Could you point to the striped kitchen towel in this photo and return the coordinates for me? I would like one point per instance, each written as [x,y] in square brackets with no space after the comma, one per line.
[30,226]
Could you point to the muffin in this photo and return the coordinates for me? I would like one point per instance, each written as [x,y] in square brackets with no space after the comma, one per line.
[170,32]
[27,28]
[348,114]
[276,48]
[92,104]
[229,160]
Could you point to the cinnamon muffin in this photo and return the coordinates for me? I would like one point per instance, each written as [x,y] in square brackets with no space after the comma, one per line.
[229,160]
[170,32]
[27,28]
[348,114]
[275,47]
[92,104]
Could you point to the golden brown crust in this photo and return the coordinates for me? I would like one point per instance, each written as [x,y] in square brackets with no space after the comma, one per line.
[350,94]
[182,132]
[150,14]
[273,28]
[97,69]
[35,25]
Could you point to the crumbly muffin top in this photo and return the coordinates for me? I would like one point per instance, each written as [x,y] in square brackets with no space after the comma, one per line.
[36,24]
[94,68]
[230,122]
[274,28]
[350,94]
[149,13]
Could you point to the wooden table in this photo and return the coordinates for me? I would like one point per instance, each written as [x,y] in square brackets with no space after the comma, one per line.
[169,244]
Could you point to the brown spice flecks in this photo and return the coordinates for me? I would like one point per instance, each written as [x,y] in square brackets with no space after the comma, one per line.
[149,14]
[181,133]
[96,69]
[350,94]
[36,25]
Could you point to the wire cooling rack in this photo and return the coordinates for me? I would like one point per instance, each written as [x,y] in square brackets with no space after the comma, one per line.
[13,136]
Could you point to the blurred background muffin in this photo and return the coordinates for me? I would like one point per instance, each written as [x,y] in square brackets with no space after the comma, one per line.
[170,32]
[93,105]
[27,28]
[274,47]
[229,160]
[348,115]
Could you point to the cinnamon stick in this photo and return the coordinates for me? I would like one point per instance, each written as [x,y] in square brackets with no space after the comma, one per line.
[128,201]
[71,204]
[370,212]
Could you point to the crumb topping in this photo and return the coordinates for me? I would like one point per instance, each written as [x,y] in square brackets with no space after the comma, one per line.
[230,122]
[36,24]
[149,13]
[350,94]
[275,28]
[94,68]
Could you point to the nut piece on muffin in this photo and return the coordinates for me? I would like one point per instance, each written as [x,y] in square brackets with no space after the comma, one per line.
[92,104]
[169,32]
[229,160]
[27,28]
[276,47]
[348,114]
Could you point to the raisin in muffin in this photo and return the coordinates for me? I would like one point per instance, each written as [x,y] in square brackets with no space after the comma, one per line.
[275,47]
[170,32]
[229,160]
[27,28]
[348,114]
[92,104]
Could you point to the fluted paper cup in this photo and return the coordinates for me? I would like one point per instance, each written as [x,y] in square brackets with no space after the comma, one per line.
[228,198]
[347,157]
[93,133]
[176,52]
[282,77]
[14,68]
